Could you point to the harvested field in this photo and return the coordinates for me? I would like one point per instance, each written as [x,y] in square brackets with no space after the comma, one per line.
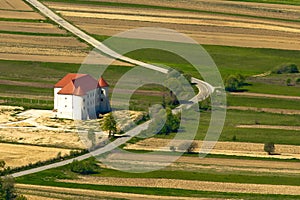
[268,110]
[215,29]
[41,137]
[190,185]
[57,59]
[14,5]
[20,15]
[226,148]
[16,155]
[295,128]
[187,163]
[35,50]
[246,8]
[30,27]
[46,41]
[66,193]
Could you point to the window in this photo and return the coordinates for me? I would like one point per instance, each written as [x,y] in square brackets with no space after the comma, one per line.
[65,106]
[101,99]
[102,92]
[65,98]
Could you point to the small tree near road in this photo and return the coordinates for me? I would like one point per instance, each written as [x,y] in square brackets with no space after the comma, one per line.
[109,124]
[269,148]
[189,148]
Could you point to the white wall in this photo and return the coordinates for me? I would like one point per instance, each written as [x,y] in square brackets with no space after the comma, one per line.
[64,106]
[56,90]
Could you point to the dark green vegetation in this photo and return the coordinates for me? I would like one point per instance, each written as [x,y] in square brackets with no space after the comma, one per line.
[7,189]
[85,167]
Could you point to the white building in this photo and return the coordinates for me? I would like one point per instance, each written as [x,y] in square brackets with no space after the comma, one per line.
[80,97]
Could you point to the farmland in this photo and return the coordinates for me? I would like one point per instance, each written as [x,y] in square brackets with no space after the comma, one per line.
[250,37]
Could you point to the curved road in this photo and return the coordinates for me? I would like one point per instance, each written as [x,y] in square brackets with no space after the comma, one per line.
[205,89]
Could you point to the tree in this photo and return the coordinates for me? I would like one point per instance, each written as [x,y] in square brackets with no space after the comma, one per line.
[2,164]
[297,81]
[231,83]
[289,82]
[8,188]
[109,124]
[234,82]
[189,147]
[269,148]
[172,123]
[21,197]
[85,167]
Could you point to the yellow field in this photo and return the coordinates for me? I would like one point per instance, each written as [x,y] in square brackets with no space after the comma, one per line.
[16,155]
[206,28]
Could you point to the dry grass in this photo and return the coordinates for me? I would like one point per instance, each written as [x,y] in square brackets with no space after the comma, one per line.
[226,148]
[257,9]
[191,185]
[6,113]
[20,15]
[41,137]
[203,27]
[46,41]
[295,128]
[20,155]
[30,27]
[14,5]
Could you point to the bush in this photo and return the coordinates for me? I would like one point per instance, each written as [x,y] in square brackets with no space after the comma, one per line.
[85,167]
[189,148]
[21,197]
[269,148]
[289,82]
[234,82]
[285,69]
[297,81]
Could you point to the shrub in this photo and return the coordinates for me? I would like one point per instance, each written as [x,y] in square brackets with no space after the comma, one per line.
[85,167]
[269,148]
[189,148]
[289,82]
[285,69]
[297,81]
[172,148]
[234,82]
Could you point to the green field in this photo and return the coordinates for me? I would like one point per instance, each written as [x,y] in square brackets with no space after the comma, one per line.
[261,102]
[49,178]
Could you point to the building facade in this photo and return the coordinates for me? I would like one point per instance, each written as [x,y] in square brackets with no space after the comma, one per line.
[81,97]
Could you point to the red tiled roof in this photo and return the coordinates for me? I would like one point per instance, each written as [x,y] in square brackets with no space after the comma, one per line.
[65,80]
[102,82]
[79,84]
